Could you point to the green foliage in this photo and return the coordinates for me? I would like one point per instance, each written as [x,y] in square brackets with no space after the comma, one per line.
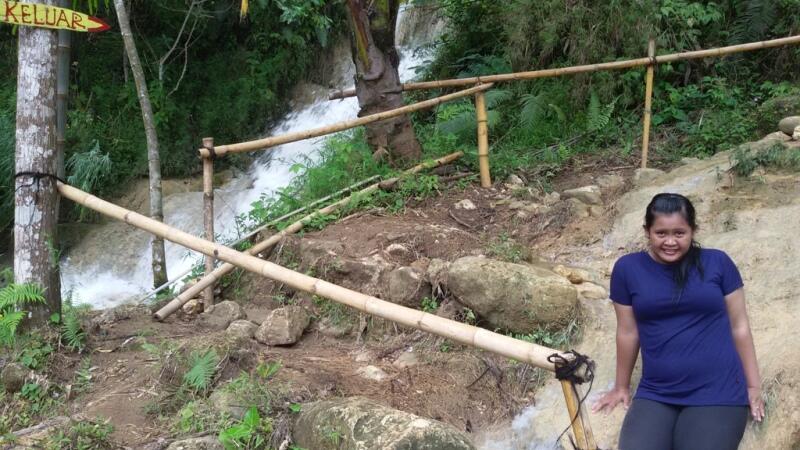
[554,338]
[72,333]
[12,298]
[83,435]
[506,249]
[7,143]
[746,160]
[249,433]
[34,353]
[87,171]
[429,304]
[203,366]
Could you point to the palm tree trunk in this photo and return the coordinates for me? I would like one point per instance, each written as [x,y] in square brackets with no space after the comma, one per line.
[159,263]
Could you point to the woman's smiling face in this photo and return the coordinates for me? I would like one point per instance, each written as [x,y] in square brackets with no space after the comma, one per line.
[669,237]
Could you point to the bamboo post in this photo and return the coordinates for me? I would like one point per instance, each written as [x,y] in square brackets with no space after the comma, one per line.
[340,126]
[208,213]
[648,100]
[213,277]
[612,65]
[505,346]
[483,139]
[584,439]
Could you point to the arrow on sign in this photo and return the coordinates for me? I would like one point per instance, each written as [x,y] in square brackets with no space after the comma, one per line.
[46,16]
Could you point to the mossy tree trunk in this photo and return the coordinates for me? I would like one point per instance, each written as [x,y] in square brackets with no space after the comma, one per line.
[378,87]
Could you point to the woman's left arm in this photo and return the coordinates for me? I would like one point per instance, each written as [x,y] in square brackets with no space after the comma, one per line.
[743,339]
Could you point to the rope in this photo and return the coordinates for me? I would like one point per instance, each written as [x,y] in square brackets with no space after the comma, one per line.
[37,176]
[577,370]
[212,155]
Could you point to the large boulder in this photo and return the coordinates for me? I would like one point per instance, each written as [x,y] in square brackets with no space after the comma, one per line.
[775,109]
[406,286]
[357,423]
[788,124]
[283,326]
[513,297]
[219,316]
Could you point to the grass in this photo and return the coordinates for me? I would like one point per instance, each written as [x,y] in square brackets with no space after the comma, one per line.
[777,156]
[506,249]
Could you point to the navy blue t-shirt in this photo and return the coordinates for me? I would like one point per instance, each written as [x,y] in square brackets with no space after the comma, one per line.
[688,353]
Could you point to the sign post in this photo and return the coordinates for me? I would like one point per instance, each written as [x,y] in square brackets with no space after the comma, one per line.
[47,16]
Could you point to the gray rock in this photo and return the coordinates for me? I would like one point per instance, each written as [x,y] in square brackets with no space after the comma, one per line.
[363,275]
[314,251]
[406,359]
[586,194]
[579,209]
[510,296]
[406,286]
[372,373]
[226,402]
[13,377]
[591,291]
[335,329]
[241,329]
[398,250]
[610,182]
[643,177]
[551,198]
[465,204]
[219,316]
[514,180]
[516,204]
[788,124]
[359,424]
[199,443]
[283,326]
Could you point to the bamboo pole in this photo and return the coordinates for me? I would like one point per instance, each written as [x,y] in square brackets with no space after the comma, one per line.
[208,215]
[483,139]
[341,126]
[584,439]
[613,65]
[262,246]
[460,332]
[648,102]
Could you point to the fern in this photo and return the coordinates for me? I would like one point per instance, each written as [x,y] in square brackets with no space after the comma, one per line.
[598,115]
[497,96]
[754,20]
[12,298]
[203,367]
[533,110]
[71,331]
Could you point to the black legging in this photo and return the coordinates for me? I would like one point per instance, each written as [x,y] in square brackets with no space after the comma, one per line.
[651,425]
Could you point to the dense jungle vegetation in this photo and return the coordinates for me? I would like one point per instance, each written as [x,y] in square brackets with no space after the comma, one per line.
[229,78]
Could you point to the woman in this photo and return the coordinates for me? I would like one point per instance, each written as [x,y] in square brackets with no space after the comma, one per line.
[684,306]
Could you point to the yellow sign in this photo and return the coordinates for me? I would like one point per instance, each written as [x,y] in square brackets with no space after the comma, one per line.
[46,16]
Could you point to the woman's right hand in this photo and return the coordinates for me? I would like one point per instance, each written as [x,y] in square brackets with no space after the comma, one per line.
[612,398]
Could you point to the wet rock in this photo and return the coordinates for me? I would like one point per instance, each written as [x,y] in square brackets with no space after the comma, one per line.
[551,198]
[372,373]
[645,176]
[363,424]
[283,326]
[12,377]
[227,403]
[510,296]
[199,443]
[406,359]
[586,194]
[465,204]
[219,316]
[788,124]
[241,329]
[406,286]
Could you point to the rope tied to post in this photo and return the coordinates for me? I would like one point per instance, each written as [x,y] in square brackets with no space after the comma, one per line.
[212,155]
[37,176]
[577,370]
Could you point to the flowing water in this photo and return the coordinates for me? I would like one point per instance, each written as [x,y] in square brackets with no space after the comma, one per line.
[103,274]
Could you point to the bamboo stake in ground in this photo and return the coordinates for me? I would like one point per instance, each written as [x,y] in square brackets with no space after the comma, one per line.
[483,139]
[506,346]
[613,65]
[584,439]
[341,126]
[262,246]
[648,101]
[208,214]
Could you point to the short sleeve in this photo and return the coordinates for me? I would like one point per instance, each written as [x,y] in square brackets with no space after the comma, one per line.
[731,278]
[619,286]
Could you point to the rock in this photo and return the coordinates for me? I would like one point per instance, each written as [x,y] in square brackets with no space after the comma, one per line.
[513,297]
[536,208]
[643,177]
[596,210]
[437,269]
[364,355]
[199,443]
[193,306]
[796,134]
[313,251]
[591,291]
[465,204]
[398,250]
[551,199]
[363,275]
[514,180]
[335,329]
[611,182]
[586,194]
[221,315]
[241,329]
[788,124]
[226,402]
[406,286]
[775,109]
[516,204]
[35,436]
[576,275]
[372,373]
[579,209]
[406,359]
[283,326]
[360,423]
[13,377]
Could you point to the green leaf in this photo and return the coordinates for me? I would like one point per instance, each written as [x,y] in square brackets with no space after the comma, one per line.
[203,367]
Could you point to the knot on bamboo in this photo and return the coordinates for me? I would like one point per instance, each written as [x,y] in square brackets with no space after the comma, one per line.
[578,369]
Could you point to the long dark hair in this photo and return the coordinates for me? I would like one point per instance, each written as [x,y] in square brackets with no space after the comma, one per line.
[667,203]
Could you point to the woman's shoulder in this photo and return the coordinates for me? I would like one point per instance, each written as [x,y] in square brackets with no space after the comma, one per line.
[629,259]
[714,255]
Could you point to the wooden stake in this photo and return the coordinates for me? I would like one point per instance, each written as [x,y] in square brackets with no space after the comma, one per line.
[210,278]
[459,332]
[208,215]
[614,65]
[584,439]
[341,126]
[648,102]
[483,139]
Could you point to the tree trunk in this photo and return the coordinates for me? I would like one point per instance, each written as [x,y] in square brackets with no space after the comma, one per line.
[35,197]
[378,87]
[154,163]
